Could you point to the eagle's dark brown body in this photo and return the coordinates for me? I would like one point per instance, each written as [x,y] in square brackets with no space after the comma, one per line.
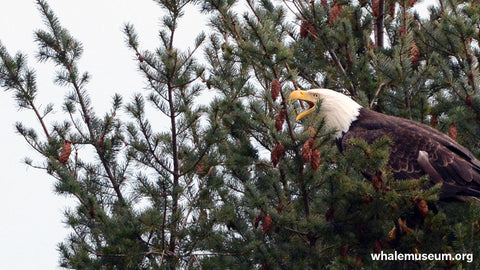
[445,160]
[417,149]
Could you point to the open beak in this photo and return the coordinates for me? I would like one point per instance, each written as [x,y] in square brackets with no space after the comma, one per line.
[302,96]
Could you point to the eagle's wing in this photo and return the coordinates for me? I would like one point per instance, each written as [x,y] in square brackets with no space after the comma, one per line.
[456,165]
[453,162]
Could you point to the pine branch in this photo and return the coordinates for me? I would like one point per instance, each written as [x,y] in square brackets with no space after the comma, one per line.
[379,24]
[67,52]
[11,77]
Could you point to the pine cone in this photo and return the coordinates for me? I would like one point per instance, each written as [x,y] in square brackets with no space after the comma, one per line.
[368,198]
[348,56]
[307,29]
[452,132]
[280,118]
[315,159]
[433,121]
[414,54]
[66,150]
[275,89]
[304,29]
[277,152]
[202,168]
[199,169]
[308,149]
[311,131]
[422,206]
[402,30]
[377,181]
[469,101]
[476,226]
[334,12]
[267,224]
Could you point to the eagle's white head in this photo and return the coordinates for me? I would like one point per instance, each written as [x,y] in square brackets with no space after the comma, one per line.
[338,109]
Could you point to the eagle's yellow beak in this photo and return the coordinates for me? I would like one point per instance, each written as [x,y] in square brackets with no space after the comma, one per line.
[303,96]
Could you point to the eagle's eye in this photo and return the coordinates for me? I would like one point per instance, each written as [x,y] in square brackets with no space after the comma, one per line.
[316,95]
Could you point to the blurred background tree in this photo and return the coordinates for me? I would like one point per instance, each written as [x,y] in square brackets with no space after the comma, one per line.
[238,183]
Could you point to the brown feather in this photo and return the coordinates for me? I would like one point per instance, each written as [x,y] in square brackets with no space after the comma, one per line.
[444,159]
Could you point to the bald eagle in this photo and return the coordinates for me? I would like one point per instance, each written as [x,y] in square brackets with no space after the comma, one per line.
[417,148]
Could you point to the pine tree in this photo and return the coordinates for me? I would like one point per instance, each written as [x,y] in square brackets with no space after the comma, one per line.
[138,196]
[309,208]
[239,184]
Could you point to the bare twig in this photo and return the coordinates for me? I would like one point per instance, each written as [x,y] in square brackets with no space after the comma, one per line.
[376,94]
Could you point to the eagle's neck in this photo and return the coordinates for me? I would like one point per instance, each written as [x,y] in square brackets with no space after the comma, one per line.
[339,111]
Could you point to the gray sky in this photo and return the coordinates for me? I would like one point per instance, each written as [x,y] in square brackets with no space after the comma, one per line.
[31,214]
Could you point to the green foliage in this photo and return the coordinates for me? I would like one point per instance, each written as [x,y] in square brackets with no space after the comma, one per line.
[238,183]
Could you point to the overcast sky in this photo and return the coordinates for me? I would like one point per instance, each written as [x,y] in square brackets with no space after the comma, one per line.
[31,214]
